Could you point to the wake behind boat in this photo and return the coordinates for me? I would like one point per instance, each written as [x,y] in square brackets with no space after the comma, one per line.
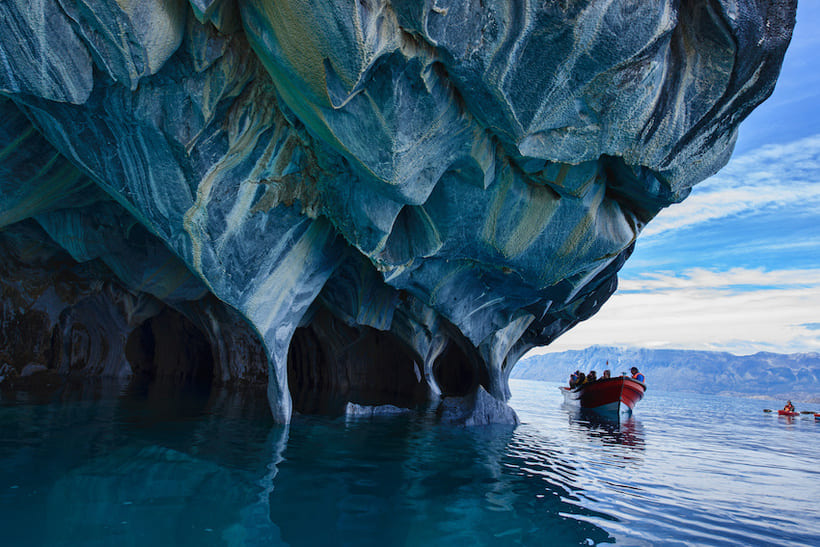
[607,395]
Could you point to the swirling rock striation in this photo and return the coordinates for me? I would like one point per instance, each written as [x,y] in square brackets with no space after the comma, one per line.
[367,202]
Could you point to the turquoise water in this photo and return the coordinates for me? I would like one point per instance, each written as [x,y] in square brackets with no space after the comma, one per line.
[91,467]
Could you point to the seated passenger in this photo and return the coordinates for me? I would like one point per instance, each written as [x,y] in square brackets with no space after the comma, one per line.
[581,379]
[591,377]
[789,407]
[606,375]
[573,379]
[637,375]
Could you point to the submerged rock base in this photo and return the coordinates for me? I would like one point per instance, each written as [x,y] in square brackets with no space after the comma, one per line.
[370,203]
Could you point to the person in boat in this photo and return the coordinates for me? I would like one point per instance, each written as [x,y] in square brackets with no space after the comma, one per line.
[573,379]
[607,374]
[581,379]
[591,377]
[636,375]
[789,407]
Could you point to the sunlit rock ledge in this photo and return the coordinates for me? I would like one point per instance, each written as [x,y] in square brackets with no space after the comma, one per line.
[359,202]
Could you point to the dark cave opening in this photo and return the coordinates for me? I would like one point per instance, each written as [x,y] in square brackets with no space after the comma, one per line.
[331,363]
[456,373]
[169,349]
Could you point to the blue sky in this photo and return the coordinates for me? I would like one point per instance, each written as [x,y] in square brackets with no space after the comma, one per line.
[736,266]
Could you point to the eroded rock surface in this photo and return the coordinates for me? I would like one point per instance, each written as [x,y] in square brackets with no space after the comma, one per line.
[364,202]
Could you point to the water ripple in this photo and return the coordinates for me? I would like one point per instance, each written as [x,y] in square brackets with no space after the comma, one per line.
[133,471]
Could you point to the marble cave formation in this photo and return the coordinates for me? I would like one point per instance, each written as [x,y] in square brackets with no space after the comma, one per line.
[360,203]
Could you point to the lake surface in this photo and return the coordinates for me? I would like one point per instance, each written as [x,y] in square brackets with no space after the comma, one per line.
[94,467]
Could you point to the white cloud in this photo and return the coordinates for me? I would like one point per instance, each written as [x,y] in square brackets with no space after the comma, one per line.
[701,279]
[708,310]
[771,176]
[740,310]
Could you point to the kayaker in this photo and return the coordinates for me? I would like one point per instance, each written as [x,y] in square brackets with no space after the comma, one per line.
[789,407]
[637,375]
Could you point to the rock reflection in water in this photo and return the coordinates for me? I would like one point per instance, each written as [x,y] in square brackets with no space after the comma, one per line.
[102,464]
[157,466]
[399,481]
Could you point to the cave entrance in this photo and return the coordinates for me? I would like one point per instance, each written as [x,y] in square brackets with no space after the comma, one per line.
[168,349]
[331,363]
[456,373]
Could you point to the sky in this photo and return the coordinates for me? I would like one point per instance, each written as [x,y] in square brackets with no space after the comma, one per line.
[736,266]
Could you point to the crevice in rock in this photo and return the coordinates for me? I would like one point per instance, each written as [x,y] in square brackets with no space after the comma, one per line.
[636,188]
[457,373]
[414,234]
[331,363]
[168,348]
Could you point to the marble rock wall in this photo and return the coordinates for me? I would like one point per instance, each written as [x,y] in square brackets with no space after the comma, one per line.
[382,202]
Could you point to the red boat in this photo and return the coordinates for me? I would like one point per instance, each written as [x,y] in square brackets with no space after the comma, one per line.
[608,395]
[788,413]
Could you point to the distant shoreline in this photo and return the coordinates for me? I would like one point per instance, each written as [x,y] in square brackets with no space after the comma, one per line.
[765,376]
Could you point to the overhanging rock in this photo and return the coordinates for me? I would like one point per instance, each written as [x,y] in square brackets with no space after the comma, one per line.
[364,202]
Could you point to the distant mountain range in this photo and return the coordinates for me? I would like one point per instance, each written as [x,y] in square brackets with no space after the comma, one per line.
[793,376]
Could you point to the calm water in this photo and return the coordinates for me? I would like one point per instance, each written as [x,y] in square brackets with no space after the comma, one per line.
[92,468]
